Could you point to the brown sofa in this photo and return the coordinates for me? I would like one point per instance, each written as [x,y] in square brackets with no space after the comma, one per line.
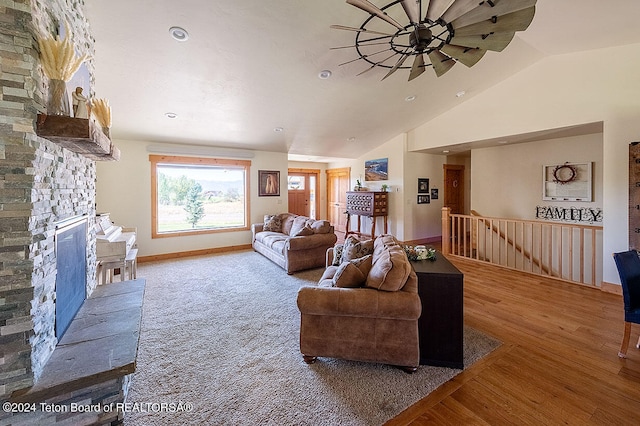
[293,242]
[375,320]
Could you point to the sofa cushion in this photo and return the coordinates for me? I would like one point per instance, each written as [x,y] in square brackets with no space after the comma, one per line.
[287,222]
[319,226]
[298,223]
[272,223]
[304,232]
[390,270]
[354,248]
[269,238]
[348,275]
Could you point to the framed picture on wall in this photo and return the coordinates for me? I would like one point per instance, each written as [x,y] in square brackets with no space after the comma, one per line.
[434,193]
[376,169]
[423,186]
[423,199]
[268,183]
[567,182]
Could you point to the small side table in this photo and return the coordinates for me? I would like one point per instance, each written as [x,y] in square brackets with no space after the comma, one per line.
[441,324]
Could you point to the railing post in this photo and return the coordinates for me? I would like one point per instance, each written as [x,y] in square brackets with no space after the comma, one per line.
[446,230]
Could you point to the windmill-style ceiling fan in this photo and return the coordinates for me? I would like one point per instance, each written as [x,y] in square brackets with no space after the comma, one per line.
[447,31]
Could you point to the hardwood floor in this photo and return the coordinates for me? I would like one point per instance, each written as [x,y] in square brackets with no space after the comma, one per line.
[558,363]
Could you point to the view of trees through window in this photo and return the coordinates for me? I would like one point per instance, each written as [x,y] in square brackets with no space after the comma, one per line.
[199,197]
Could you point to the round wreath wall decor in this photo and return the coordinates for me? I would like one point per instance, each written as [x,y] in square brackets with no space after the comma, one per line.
[564,174]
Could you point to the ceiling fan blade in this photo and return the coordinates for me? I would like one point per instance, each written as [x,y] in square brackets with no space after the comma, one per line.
[485,11]
[516,21]
[377,63]
[494,41]
[412,9]
[372,9]
[467,56]
[359,30]
[437,8]
[397,65]
[418,66]
[459,8]
[441,63]
[361,45]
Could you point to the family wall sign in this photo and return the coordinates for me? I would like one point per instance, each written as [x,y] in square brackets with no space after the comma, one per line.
[569,214]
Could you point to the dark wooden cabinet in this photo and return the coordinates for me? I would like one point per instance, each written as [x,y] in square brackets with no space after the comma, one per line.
[441,324]
[370,204]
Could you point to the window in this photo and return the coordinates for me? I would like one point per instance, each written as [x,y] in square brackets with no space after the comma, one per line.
[192,195]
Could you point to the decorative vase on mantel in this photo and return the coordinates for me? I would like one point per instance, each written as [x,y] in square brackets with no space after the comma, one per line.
[58,98]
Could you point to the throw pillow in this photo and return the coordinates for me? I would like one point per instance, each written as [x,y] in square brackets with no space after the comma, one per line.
[272,223]
[337,254]
[287,222]
[354,248]
[364,264]
[348,276]
[298,223]
[320,226]
[306,230]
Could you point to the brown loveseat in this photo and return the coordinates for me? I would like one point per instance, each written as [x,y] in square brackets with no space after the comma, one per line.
[364,309]
[293,242]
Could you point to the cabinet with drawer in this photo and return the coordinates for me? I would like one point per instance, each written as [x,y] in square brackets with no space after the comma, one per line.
[369,204]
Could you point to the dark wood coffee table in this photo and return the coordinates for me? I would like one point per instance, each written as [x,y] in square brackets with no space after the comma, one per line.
[441,324]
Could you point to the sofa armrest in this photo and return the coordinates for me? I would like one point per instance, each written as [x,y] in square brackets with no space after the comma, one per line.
[359,302]
[311,241]
[329,257]
[255,228]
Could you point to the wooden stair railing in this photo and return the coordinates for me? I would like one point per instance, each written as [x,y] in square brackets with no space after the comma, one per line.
[567,251]
[515,245]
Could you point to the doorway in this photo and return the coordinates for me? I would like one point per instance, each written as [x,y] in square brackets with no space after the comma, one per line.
[338,183]
[303,187]
[454,188]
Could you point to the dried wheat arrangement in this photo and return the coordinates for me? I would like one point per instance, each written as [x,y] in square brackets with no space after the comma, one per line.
[102,112]
[58,57]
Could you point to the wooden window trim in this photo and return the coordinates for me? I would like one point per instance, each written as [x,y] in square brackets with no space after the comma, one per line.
[172,159]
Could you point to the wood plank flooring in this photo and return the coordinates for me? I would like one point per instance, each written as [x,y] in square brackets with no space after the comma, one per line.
[558,363]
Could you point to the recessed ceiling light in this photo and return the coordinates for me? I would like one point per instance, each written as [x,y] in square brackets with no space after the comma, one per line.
[460,94]
[170,114]
[410,98]
[278,129]
[179,34]
[351,139]
[324,74]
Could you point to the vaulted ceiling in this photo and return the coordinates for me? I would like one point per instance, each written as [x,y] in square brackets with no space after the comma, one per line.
[252,66]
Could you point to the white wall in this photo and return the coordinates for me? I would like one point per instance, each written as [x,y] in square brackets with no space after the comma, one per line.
[423,221]
[507,180]
[585,87]
[123,189]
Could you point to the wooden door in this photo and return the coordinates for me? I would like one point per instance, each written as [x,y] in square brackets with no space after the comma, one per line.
[338,182]
[303,186]
[454,188]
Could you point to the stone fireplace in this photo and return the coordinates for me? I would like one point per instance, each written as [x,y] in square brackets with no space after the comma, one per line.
[48,240]
[41,185]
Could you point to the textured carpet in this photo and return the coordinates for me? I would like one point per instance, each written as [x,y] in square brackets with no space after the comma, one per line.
[219,346]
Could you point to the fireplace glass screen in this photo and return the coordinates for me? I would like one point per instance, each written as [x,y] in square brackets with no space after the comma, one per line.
[71,278]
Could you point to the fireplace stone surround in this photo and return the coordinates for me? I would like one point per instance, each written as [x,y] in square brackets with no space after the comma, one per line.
[41,184]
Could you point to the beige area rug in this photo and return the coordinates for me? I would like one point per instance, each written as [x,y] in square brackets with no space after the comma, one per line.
[219,346]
